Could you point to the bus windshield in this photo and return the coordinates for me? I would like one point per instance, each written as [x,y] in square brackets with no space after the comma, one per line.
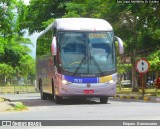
[86,52]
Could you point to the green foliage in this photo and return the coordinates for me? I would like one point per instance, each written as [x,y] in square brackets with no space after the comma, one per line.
[74,9]
[47,23]
[40,11]
[6,70]
[85,8]
[19,106]
[20,22]
[155,60]
[13,46]
[27,65]
[2,43]
[14,49]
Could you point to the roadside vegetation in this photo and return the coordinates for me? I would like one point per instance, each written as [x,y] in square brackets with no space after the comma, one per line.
[149,92]
[16,63]
[18,106]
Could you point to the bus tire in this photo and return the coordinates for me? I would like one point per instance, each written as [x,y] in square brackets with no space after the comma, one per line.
[58,99]
[52,95]
[103,99]
[43,95]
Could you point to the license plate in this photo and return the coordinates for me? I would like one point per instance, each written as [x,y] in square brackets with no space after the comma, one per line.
[88,91]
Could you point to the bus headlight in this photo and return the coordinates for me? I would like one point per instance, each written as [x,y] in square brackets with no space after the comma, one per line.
[65,82]
[111,81]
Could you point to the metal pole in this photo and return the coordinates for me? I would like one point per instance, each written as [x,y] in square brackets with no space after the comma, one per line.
[143,85]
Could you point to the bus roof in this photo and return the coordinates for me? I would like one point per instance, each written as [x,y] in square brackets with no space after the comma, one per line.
[79,24]
[84,24]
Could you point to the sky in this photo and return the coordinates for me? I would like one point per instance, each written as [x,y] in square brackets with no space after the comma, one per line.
[26,2]
[33,39]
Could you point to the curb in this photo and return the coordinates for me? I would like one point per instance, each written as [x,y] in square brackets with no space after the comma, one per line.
[128,97]
[4,99]
[145,98]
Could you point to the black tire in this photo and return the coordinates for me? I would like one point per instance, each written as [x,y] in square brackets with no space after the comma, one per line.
[52,95]
[103,99]
[58,99]
[43,95]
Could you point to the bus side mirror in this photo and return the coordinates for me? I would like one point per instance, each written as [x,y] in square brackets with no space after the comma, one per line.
[120,44]
[54,46]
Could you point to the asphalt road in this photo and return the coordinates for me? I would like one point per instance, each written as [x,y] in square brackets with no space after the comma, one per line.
[81,109]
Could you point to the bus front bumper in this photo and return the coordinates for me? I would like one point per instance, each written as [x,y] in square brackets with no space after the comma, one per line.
[86,90]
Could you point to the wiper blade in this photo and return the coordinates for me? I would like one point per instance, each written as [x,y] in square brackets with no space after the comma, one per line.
[96,64]
[84,58]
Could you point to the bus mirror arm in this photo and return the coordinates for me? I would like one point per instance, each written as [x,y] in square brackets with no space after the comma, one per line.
[54,46]
[120,44]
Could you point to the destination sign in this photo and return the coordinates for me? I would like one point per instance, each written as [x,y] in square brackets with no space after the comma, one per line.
[97,35]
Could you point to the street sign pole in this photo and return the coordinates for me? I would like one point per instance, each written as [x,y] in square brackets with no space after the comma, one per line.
[143,90]
[142,66]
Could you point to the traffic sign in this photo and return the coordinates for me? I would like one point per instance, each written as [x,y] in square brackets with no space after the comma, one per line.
[142,66]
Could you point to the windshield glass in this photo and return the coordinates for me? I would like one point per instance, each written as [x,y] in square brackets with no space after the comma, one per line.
[86,52]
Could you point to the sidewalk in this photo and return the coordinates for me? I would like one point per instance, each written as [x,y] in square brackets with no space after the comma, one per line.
[138,97]
[5,104]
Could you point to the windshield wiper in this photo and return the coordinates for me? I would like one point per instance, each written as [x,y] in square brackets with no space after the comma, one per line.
[94,61]
[84,58]
[96,64]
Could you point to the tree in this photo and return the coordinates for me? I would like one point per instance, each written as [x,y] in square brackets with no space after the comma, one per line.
[42,11]
[154,58]
[27,65]
[137,24]
[13,46]
[5,72]
[14,50]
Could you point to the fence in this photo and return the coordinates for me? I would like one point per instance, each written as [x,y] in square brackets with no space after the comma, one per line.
[18,86]
[17,89]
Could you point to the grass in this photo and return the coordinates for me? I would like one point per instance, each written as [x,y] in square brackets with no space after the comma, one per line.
[19,106]
[17,89]
[149,91]
[1,99]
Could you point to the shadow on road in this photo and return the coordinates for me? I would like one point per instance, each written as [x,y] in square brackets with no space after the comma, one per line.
[79,101]
[49,102]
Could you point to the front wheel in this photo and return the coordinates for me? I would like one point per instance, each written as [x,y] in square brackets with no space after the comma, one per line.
[43,95]
[58,99]
[103,99]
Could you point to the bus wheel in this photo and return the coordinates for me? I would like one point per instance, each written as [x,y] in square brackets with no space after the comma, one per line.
[52,95]
[58,99]
[43,95]
[103,99]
